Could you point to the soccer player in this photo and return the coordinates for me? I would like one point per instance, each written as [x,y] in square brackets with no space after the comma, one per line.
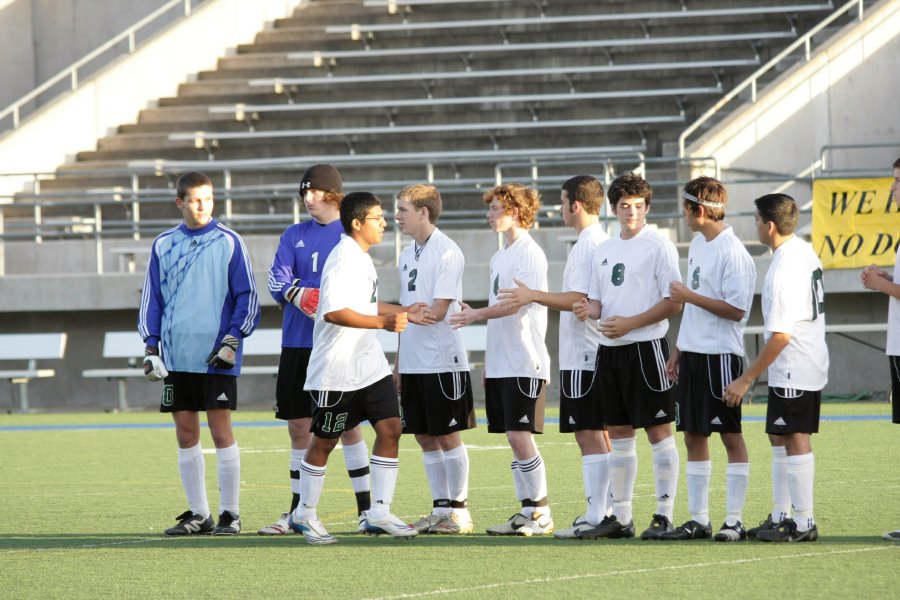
[198,303]
[708,355]
[581,199]
[876,279]
[795,353]
[348,375]
[630,296]
[516,362]
[432,367]
[294,279]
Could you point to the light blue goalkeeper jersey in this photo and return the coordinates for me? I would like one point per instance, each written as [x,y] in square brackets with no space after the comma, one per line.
[198,288]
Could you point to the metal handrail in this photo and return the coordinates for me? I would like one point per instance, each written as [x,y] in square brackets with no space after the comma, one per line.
[805,40]
[71,72]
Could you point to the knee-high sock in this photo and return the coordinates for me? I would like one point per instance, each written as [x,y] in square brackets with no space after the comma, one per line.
[521,492]
[534,478]
[436,473]
[457,465]
[384,481]
[622,473]
[595,472]
[192,469]
[800,474]
[356,458]
[697,475]
[228,463]
[780,492]
[312,480]
[737,475]
[296,459]
[665,472]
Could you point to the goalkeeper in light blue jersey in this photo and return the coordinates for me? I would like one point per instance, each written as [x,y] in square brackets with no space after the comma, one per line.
[198,304]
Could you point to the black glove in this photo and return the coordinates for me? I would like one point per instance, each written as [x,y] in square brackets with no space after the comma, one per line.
[223,357]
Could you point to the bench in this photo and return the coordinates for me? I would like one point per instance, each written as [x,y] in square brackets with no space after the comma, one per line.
[30,347]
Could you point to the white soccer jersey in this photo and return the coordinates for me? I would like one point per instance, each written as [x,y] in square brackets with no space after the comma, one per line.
[578,340]
[631,276]
[793,301]
[893,332]
[346,358]
[720,269]
[515,344]
[436,273]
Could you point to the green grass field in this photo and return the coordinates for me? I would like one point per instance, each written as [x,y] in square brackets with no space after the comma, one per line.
[83,511]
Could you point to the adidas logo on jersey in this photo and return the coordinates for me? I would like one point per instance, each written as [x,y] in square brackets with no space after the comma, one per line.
[222,397]
[404,268]
[194,243]
[524,419]
[604,263]
[451,423]
[661,415]
[780,422]
[716,421]
[300,244]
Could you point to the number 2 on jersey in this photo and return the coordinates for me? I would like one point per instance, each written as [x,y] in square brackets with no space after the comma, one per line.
[411,285]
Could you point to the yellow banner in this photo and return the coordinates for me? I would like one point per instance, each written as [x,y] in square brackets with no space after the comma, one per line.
[856,222]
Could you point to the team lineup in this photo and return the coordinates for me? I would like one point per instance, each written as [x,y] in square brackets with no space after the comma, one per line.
[617,372]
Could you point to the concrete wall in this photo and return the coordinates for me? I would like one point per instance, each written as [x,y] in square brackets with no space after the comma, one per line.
[40,38]
[846,94]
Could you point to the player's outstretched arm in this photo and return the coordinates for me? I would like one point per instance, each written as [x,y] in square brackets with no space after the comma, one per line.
[585,309]
[736,390]
[347,317]
[678,292]
[469,315]
[418,313]
[521,295]
[617,326]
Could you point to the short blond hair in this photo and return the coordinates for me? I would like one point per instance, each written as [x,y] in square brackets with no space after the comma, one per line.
[423,195]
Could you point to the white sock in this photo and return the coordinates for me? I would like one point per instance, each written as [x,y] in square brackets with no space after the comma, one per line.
[296,459]
[623,463]
[356,459]
[517,480]
[697,474]
[595,471]
[534,479]
[800,474]
[736,477]
[436,473]
[384,481]
[457,464]
[192,468]
[312,479]
[228,462]
[665,473]
[780,492]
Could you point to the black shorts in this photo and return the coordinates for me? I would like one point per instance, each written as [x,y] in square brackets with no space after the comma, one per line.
[633,386]
[793,411]
[894,364]
[198,392]
[291,402]
[515,404]
[337,412]
[436,403]
[699,407]
[579,403]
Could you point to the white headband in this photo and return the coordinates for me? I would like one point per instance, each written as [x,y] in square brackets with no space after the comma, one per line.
[706,203]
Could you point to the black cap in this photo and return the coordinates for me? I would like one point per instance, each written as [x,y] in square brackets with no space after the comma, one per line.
[321,177]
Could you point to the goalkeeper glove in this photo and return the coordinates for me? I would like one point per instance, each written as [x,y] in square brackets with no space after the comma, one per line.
[154,368]
[223,357]
[304,298]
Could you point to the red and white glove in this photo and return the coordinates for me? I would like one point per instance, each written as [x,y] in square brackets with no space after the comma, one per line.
[304,298]
[154,367]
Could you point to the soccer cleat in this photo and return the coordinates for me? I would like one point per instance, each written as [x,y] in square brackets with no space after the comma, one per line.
[454,525]
[191,524]
[893,536]
[609,527]
[312,530]
[229,524]
[570,533]
[692,530]
[541,524]
[730,533]
[786,531]
[361,521]
[659,524]
[518,524]
[763,526]
[389,525]
[426,522]
[279,527]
